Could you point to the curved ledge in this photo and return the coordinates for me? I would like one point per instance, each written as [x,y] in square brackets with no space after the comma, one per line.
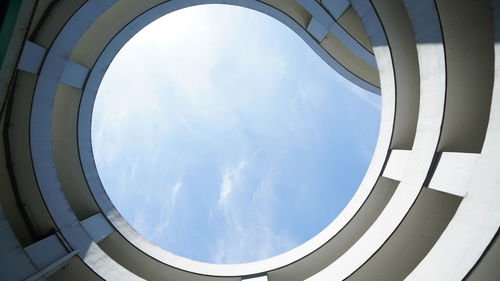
[425,53]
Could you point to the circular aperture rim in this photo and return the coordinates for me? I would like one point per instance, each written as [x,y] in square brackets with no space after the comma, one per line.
[104,203]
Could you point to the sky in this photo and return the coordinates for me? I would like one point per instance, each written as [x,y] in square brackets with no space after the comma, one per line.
[222,137]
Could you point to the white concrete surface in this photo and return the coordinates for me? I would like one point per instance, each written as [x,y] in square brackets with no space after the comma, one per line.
[397,164]
[31,57]
[440,126]
[453,172]
[74,75]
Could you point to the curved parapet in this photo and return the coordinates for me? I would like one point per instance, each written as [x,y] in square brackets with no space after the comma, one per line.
[427,209]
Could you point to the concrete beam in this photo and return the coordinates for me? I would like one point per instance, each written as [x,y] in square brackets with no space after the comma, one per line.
[315,9]
[31,57]
[336,7]
[74,75]
[396,166]
[46,251]
[453,172]
[317,30]
[97,227]
[51,268]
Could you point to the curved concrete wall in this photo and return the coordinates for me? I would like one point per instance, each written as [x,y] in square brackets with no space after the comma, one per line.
[427,209]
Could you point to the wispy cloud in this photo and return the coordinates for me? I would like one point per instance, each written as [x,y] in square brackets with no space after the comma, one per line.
[219,128]
[250,233]
[158,231]
[175,189]
[226,187]
[229,178]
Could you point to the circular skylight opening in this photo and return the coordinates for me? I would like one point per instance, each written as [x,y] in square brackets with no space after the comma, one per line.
[222,137]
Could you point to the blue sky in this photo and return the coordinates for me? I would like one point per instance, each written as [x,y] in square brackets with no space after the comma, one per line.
[222,137]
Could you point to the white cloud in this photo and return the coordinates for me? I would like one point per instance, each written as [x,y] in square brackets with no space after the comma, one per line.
[225,188]
[166,212]
[229,178]
[175,189]
[248,224]
[249,227]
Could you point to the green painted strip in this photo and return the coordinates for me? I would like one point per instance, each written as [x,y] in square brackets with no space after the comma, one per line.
[8,23]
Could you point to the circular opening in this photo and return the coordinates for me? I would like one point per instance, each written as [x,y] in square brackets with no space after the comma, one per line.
[222,137]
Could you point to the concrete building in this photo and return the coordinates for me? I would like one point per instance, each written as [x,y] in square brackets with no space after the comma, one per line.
[427,209]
